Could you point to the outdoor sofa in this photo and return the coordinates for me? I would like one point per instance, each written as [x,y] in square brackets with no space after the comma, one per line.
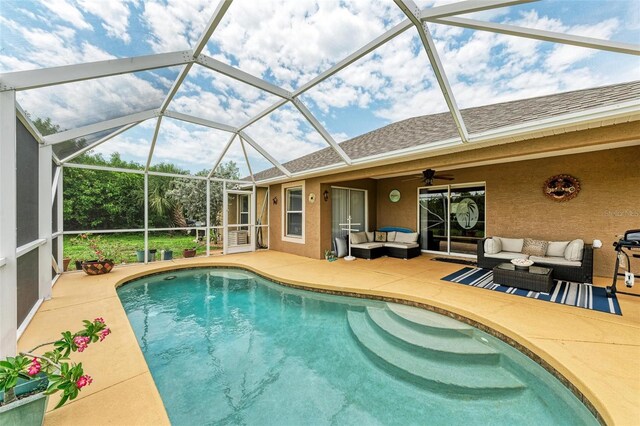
[390,241]
[570,260]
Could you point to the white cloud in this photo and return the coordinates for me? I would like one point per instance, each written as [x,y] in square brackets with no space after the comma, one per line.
[67,12]
[77,104]
[113,13]
[178,24]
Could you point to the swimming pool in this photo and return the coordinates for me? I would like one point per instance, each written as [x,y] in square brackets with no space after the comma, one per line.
[229,347]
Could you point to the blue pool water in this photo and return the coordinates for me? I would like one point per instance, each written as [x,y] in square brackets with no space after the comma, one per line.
[229,347]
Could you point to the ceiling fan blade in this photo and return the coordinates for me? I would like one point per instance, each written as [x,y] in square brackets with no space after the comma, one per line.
[412,178]
[443,178]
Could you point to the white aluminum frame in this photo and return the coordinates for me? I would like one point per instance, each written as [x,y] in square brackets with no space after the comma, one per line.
[8,225]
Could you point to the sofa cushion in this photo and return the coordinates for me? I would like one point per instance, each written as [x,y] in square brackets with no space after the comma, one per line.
[367,246]
[401,245]
[534,247]
[358,237]
[508,255]
[380,237]
[391,236]
[574,250]
[492,246]
[554,260]
[513,245]
[370,236]
[407,237]
[557,248]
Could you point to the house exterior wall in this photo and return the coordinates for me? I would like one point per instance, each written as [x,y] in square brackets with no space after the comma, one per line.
[606,206]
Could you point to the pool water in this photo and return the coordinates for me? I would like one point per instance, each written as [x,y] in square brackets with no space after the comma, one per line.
[229,347]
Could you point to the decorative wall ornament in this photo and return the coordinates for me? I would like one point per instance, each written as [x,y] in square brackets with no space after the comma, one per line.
[394,196]
[561,187]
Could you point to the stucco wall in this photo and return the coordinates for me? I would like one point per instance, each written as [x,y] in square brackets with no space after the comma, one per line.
[607,205]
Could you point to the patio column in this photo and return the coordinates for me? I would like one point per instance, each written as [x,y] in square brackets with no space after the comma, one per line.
[8,225]
[45,218]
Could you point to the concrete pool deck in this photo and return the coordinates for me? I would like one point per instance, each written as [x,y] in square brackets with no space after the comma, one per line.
[597,352]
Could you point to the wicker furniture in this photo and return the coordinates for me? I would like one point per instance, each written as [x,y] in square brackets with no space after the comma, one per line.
[534,278]
[396,248]
[578,274]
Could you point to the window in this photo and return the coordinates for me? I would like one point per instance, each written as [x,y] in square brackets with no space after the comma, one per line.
[293,213]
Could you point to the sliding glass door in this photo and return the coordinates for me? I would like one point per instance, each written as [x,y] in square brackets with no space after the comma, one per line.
[347,202]
[452,218]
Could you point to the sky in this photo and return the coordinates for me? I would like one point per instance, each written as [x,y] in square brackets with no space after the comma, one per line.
[288,43]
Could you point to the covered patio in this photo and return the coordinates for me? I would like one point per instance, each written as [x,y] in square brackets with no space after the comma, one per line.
[450,121]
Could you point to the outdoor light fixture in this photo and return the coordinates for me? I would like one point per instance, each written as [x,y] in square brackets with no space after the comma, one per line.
[275,200]
[325,195]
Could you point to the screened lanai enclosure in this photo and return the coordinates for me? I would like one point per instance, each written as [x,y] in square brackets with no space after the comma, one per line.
[193,108]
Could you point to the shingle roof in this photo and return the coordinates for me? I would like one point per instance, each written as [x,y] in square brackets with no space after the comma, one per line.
[437,127]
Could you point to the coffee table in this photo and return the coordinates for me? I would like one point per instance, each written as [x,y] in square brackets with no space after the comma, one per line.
[534,278]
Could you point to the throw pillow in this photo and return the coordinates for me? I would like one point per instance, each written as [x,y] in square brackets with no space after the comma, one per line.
[534,247]
[341,246]
[511,244]
[358,237]
[557,248]
[407,237]
[391,236]
[574,250]
[380,237]
[492,246]
[369,237]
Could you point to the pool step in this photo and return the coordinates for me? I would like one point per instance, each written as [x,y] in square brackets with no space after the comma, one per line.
[440,346]
[430,322]
[453,379]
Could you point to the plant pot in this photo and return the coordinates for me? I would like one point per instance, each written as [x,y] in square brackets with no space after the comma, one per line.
[189,253]
[29,410]
[97,267]
[65,263]
[152,255]
[167,255]
[78,265]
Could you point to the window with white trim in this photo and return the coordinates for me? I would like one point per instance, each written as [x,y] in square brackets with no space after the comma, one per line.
[294,215]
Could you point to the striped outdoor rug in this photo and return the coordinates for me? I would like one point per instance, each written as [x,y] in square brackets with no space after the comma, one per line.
[568,293]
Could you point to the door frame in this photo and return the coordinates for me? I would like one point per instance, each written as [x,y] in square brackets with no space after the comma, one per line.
[366,205]
[448,188]
[251,246]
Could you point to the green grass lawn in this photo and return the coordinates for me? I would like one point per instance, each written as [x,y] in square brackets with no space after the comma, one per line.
[125,245]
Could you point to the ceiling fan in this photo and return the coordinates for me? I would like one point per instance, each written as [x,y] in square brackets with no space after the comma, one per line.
[429,175]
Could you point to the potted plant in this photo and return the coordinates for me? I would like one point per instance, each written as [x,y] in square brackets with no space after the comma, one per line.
[65,263]
[27,380]
[167,254]
[151,256]
[189,252]
[104,262]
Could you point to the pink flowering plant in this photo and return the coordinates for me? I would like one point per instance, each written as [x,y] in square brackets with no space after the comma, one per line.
[64,376]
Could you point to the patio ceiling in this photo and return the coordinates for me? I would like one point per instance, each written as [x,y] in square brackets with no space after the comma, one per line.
[208,100]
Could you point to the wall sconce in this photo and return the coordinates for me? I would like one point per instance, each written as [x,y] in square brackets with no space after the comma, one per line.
[325,195]
[275,200]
